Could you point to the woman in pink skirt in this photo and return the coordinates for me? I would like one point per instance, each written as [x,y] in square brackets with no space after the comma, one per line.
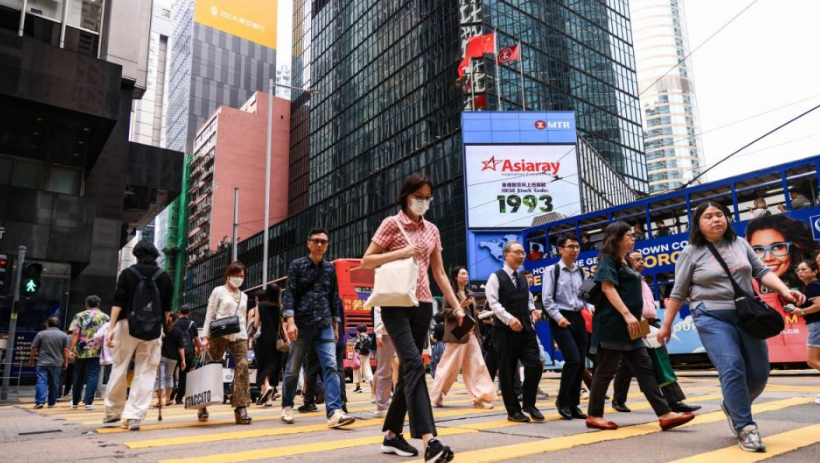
[465,352]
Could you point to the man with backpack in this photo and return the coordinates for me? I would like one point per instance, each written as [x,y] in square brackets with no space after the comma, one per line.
[559,291]
[142,305]
[187,331]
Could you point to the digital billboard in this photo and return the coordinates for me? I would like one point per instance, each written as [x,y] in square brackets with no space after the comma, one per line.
[253,20]
[517,166]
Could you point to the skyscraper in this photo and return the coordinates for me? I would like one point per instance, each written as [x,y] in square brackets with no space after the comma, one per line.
[389,104]
[667,92]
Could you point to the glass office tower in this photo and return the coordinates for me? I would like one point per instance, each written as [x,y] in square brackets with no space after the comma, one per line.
[389,104]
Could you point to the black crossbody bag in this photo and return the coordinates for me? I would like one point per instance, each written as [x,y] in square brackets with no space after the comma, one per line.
[226,325]
[755,316]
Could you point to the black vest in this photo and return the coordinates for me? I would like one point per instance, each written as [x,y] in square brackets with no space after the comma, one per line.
[514,299]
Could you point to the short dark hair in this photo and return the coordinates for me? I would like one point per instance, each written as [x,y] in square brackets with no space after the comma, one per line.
[362,328]
[185,309]
[562,240]
[318,231]
[235,268]
[811,264]
[526,272]
[410,185]
[273,293]
[696,237]
[93,301]
[145,252]
[52,322]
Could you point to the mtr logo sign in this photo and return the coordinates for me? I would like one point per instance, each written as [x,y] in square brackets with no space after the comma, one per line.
[506,165]
[541,125]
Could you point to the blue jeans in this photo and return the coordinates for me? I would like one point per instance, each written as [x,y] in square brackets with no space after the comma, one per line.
[436,351]
[86,372]
[322,342]
[742,361]
[48,383]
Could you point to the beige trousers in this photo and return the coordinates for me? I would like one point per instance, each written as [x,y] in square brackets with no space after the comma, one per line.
[146,356]
[468,358]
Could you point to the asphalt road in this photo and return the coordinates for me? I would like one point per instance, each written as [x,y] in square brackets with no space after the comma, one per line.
[786,413]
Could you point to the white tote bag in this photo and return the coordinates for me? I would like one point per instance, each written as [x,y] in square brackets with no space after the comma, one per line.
[204,386]
[395,282]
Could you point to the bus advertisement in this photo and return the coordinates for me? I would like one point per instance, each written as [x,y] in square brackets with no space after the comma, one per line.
[355,286]
[776,210]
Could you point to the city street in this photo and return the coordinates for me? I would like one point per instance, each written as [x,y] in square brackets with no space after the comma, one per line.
[786,413]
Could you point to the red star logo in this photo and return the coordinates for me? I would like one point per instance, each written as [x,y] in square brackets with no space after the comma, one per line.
[491,164]
[540,125]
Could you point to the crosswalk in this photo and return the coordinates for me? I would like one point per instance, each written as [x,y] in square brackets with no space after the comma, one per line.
[180,438]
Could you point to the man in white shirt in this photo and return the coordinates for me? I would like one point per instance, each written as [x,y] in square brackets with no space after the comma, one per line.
[559,292]
[514,334]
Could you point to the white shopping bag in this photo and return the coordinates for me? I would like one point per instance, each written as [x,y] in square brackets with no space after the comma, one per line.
[204,386]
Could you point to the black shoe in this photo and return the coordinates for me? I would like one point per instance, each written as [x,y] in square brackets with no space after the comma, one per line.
[681,407]
[518,417]
[307,408]
[535,415]
[620,407]
[437,452]
[564,411]
[577,413]
[399,446]
[358,389]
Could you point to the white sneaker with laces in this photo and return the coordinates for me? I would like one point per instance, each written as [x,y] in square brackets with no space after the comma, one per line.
[339,419]
[749,440]
[89,407]
[379,413]
[287,415]
[134,425]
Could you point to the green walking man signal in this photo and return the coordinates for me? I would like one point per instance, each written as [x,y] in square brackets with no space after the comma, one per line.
[30,283]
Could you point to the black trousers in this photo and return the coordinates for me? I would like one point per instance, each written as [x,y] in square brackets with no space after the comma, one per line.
[407,328]
[514,347]
[671,392]
[640,363]
[572,341]
[268,364]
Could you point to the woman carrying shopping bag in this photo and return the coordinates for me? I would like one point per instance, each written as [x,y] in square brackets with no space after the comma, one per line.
[409,237]
[225,328]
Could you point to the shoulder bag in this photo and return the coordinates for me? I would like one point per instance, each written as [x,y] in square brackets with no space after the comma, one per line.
[282,341]
[754,315]
[590,292]
[395,282]
[226,325]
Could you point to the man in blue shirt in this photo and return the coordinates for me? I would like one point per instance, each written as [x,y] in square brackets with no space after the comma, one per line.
[559,291]
[312,310]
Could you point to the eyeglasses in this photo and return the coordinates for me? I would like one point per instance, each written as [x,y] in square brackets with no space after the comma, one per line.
[319,242]
[519,252]
[776,249]
[422,198]
[571,247]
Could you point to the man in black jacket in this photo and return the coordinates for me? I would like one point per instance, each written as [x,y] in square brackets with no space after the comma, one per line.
[514,334]
[146,353]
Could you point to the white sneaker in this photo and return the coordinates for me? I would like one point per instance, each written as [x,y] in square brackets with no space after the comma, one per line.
[38,406]
[134,425]
[339,419]
[817,399]
[74,406]
[89,407]
[379,413]
[124,423]
[287,415]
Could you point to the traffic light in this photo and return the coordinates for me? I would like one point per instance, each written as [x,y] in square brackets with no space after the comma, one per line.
[30,282]
[6,264]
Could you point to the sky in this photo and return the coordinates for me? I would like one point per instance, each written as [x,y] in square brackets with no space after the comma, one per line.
[763,67]
[760,71]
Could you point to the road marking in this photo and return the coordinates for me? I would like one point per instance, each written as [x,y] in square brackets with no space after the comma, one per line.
[263,454]
[521,450]
[778,444]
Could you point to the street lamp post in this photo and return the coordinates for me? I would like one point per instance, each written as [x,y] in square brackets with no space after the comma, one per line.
[268,149]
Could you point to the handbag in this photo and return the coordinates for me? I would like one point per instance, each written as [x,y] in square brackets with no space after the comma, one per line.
[226,325]
[394,284]
[662,366]
[590,292]
[203,386]
[357,363]
[282,341]
[755,316]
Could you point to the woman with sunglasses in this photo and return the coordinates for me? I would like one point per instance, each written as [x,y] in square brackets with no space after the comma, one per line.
[742,360]
[408,326]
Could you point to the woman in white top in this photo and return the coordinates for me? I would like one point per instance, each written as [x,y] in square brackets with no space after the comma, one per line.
[226,301]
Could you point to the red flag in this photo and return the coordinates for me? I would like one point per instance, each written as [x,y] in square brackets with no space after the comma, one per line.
[477,47]
[505,55]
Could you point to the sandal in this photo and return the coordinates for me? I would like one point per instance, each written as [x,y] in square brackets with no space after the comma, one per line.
[241,415]
[202,415]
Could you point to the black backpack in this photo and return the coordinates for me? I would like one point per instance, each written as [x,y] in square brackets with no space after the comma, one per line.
[145,313]
[363,345]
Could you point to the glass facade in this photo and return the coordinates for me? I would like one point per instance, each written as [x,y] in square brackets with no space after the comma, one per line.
[389,104]
[671,128]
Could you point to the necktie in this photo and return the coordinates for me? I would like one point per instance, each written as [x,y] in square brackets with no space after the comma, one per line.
[515,278]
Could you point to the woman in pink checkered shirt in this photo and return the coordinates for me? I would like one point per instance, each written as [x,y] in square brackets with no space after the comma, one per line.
[408,326]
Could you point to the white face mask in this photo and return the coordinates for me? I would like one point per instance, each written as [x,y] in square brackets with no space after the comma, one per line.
[236,281]
[419,207]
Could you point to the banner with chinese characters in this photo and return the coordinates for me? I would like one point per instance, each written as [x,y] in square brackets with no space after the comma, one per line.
[253,20]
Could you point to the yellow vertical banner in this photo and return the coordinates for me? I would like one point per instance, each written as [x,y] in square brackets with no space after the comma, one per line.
[253,20]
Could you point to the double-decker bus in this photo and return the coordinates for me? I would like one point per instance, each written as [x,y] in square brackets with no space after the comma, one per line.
[775,209]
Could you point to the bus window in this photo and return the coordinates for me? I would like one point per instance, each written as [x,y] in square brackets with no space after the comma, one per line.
[536,246]
[592,231]
[668,217]
[760,196]
[722,196]
[636,218]
[802,187]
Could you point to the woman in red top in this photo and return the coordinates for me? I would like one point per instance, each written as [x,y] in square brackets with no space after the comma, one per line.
[408,326]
